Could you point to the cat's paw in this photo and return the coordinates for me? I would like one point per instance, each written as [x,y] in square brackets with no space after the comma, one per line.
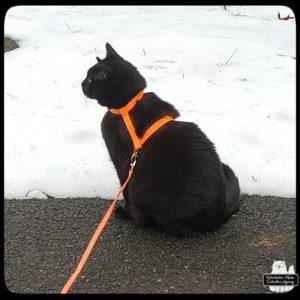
[121,213]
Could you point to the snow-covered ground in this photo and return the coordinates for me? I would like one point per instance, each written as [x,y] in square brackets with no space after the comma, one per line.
[246,105]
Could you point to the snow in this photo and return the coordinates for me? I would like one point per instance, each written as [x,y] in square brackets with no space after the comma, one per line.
[36,194]
[53,143]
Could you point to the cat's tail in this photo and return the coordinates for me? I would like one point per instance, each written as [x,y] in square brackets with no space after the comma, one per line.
[232,190]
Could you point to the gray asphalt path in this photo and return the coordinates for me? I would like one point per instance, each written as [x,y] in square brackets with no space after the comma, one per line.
[44,239]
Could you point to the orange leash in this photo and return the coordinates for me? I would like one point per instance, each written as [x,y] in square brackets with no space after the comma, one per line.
[137,143]
[98,231]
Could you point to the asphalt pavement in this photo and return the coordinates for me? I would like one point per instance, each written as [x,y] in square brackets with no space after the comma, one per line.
[44,240]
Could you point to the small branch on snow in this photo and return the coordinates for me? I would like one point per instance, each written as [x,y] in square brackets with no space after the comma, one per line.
[283,55]
[11,95]
[72,31]
[68,26]
[254,178]
[230,57]
[76,31]
[284,18]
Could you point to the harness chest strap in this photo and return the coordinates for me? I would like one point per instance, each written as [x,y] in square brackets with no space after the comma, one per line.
[124,112]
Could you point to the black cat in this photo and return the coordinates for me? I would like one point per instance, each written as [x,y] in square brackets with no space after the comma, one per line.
[179,182]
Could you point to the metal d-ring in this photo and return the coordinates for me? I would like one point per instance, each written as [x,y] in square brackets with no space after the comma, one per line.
[134,158]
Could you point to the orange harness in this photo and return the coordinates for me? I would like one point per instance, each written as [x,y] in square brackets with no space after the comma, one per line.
[137,142]
[124,112]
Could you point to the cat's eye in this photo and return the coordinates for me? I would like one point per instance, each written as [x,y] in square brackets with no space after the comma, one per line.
[102,75]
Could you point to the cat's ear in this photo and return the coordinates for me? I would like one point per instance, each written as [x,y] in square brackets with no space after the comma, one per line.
[291,269]
[111,52]
[98,59]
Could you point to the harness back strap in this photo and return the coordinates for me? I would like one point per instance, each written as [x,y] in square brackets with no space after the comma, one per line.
[154,127]
[124,112]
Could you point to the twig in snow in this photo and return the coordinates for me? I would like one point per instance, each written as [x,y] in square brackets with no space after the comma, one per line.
[254,178]
[286,56]
[13,96]
[77,30]
[72,31]
[284,18]
[230,56]
[218,65]
[67,26]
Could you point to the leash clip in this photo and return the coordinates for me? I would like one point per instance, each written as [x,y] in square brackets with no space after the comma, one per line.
[133,159]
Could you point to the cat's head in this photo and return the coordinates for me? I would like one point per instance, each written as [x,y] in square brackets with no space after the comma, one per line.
[113,81]
[279,265]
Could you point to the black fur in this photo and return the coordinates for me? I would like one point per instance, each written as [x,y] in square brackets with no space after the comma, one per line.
[179,182]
